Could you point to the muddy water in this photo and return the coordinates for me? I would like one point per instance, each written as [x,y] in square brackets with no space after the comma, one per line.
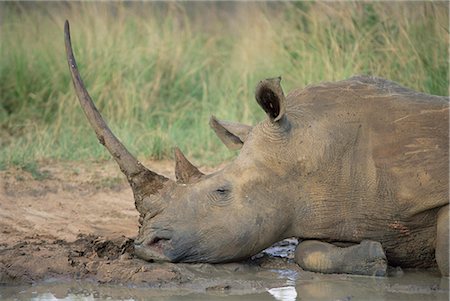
[411,285]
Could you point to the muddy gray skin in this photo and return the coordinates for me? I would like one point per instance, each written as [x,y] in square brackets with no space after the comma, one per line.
[359,166]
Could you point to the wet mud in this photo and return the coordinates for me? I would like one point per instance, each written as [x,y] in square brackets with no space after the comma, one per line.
[111,261]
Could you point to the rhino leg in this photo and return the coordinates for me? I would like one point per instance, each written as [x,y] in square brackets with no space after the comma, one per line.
[366,258]
[442,248]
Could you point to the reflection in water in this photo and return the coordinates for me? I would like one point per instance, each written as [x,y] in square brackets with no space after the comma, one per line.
[410,286]
[287,293]
[69,297]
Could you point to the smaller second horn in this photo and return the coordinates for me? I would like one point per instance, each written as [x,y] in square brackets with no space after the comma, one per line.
[185,171]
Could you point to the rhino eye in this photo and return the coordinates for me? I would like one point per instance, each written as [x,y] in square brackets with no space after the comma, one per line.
[222,191]
[220,197]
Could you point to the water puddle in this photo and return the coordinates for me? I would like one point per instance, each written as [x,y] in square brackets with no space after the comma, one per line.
[411,285]
[286,293]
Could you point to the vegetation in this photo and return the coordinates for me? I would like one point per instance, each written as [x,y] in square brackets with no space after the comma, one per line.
[157,71]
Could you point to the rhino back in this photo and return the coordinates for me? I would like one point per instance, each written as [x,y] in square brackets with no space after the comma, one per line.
[380,166]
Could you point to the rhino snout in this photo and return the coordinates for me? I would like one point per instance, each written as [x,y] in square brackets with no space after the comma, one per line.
[153,248]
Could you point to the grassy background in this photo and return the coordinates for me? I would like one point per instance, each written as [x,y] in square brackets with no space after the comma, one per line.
[157,71]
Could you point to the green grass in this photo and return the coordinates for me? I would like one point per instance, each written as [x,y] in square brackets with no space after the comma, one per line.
[157,71]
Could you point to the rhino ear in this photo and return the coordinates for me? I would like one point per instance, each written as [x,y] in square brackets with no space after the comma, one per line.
[270,97]
[232,134]
[185,171]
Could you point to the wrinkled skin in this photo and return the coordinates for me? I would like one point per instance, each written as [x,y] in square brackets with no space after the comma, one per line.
[345,162]
[223,217]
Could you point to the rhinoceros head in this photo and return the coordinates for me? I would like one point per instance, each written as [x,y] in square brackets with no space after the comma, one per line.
[228,215]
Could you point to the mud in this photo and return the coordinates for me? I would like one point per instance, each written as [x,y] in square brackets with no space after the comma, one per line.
[111,261]
[67,230]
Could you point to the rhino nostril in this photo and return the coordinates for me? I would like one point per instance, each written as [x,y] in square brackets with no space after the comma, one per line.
[156,240]
[151,242]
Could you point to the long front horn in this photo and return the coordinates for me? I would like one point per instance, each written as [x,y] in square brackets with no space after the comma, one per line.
[142,180]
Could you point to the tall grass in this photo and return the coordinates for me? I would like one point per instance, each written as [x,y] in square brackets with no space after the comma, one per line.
[157,71]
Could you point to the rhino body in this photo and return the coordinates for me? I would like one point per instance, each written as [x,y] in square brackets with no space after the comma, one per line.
[367,159]
[353,161]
